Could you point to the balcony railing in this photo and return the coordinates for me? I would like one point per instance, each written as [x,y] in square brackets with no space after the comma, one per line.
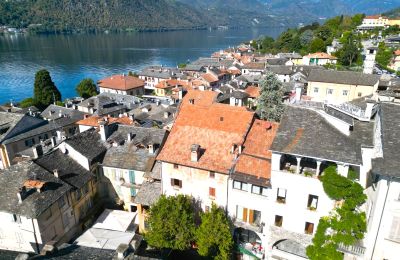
[352,249]
[256,227]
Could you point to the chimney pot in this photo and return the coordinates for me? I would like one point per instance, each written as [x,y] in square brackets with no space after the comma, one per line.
[37,151]
[56,173]
[21,194]
[151,148]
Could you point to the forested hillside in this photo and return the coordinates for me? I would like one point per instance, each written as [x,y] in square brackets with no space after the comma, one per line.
[70,15]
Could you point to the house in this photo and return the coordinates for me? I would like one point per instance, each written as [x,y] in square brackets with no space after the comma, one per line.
[298,159]
[107,104]
[371,22]
[198,153]
[254,68]
[340,86]
[159,114]
[90,122]
[395,63]
[131,155]
[254,93]
[35,208]
[319,59]
[165,87]
[152,75]
[234,98]
[122,84]
[334,47]
[293,57]
[249,189]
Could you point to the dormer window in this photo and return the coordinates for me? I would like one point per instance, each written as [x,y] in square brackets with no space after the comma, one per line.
[195,153]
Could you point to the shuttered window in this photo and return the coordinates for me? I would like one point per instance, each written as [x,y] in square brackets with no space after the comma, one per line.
[394,233]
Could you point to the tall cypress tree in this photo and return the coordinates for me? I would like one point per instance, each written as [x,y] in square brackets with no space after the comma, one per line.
[270,103]
[45,91]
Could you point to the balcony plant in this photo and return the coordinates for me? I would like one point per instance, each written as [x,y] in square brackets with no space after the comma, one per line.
[312,208]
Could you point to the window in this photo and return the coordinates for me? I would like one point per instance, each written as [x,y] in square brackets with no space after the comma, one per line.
[315,90]
[259,190]
[176,166]
[394,233]
[176,183]
[278,220]
[312,202]
[212,175]
[359,94]
[240,185]
[329,91]
[309,228]
[211,192]
[61,202]
[281,195]
[254,217]
[345,92]
[241,213]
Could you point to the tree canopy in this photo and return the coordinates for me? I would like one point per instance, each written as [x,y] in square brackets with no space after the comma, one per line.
[213,236]
[270,102]
[45,91]
[171,223]
[86,88]
[346,224]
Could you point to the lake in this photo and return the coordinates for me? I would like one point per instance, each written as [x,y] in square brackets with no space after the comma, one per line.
[70,58]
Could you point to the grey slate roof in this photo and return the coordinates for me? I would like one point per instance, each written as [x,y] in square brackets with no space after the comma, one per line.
[69,170]
[75,252]
[343,77]
[390,124]
[13,178]
[277,61]
[89,144]
[133,155]
[106,103]
[12,124]
[235,94]
[53,112]
[193,67]
[160,72]
[149,193]
[340,115]
[306,133]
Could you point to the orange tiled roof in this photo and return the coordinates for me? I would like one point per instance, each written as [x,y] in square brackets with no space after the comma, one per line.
[374,17]
[321,55]
[201,98]
[213,126]
[121,82]
[94,120]
[34,184]
[171,83]
[253,91]
[209,77]
[250,165]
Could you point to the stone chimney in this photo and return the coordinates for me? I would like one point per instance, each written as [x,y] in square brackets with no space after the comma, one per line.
[53,141]
[180,94]
[37,151]
[56,173]
[122,251]
[233,148]
[166,114]
[240,149]
[191,101]
[151,148]
[103,129]
[195,153]
[21,194]
[129,137]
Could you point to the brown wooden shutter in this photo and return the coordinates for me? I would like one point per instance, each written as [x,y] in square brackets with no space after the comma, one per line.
[180,184]
[172,182]
[251,216]
[310,228]
[211,192]
[244,214]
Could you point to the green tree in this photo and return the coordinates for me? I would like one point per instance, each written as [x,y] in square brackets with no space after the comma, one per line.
[349,53]
[383,55]
[270,101]
[86,88]
[213,236]
[317,45]
[306,37]
[324,33]
[171,223]
[45,92]
[27,102]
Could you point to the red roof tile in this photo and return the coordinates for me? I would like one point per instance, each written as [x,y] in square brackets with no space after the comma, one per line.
[321,55]
[94,120]
[121,82]
[210,78]
[253,91]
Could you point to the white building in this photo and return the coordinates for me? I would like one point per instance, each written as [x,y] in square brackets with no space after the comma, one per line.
[369,61]
[122,84]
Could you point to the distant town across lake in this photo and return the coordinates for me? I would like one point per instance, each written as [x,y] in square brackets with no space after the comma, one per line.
[70,58]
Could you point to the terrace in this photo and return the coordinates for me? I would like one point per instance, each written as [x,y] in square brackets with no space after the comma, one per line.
[308,167]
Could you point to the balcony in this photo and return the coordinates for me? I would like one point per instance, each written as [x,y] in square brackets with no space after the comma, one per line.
[307,167]
[256,226]
[352,249]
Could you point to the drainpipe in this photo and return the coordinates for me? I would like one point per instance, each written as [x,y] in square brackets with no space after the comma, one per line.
[34,234]
[380,220]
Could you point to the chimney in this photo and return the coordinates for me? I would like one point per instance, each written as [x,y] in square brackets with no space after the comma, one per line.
[132,117]
[369,110]
[103,129]
[49,248]
[37,151]
[240,149]
[122,251]
[86,116]
[191,101]
[53,141]
[151,148]
[166,114]
[233,148]
[129,137]
[56,173]
[180,94]
[21,194]
[195,153]
[60,114]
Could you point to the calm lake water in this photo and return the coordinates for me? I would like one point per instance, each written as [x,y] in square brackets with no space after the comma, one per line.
[70,58]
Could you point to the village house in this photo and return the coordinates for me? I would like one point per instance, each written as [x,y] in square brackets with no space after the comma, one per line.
[165,87]
[152,75]
[90,122]
[204,141]
[371,22]
[319,59]
[122,84]
[340,86]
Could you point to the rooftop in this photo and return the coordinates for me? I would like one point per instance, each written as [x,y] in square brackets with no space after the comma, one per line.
[321,55]
[343,77]
[121,82]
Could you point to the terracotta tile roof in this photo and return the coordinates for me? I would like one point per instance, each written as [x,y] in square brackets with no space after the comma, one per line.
[94,120]
[321,55]
[171,83]
[210,78]
[34,184]
[253,91]
[213,126]
[255,65]
[260,138]
[253,166]
[374,17]
[200,98]
[121,82]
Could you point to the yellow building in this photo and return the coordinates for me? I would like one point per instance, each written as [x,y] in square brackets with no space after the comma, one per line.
[340,86]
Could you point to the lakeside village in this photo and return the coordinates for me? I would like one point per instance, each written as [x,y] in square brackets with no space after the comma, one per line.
[242,154]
